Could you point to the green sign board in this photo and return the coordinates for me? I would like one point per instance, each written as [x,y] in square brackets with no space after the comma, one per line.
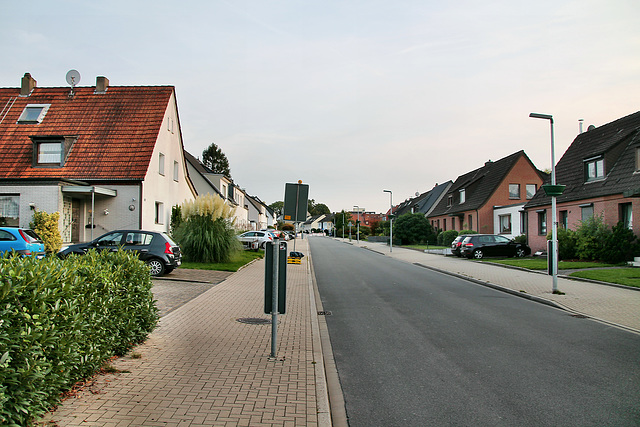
[296,202]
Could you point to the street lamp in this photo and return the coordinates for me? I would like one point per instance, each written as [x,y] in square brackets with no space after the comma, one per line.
[358,224]
[390,219]
[552,190]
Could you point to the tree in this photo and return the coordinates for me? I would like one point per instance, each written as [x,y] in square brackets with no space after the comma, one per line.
[277,207]
[215,159]
[320,209]
[412,229]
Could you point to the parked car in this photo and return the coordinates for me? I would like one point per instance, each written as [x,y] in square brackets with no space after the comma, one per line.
[156,249]
[479,246]
[22,240]
[260,238]
[457,244]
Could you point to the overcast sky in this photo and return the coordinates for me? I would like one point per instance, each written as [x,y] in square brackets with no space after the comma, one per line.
[351,97]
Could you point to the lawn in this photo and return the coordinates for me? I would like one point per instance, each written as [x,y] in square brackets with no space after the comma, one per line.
[541,264]
[423,247]
[622,276]
[240,259]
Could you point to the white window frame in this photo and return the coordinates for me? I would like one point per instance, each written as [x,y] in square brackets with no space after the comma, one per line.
[463,196]
[43,111]
[159,214]
[161,164]
[502,219]
[512,194]
[176,170]
[598,169]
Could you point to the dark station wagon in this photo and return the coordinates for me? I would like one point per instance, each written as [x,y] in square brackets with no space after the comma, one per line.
[156,249]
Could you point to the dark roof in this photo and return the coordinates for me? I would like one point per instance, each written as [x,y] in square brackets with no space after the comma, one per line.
[116,130]
[617,142]
[479,185]
[202,170]
[423,202]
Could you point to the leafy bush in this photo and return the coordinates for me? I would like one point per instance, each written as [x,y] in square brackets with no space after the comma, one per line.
[176,219]
[411,229]
[620,245]
[206,233]
[467,232]
[567,241]
[61,319]
[590,238]
[46,226]
[447,237]
[521,239]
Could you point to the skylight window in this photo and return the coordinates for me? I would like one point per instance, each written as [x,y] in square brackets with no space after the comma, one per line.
[33,113]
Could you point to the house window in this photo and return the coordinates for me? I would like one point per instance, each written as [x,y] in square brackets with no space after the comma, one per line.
[161,164]
[9,210]
[514,191]
[564,223]
[48,153]
[542,223]
[176,169]
[444,224]
[470,222]
[453,223]
[523,222]
[531,190]
[462,196]
[159,213]
[587,211]
[637,159]
[505,224]
[594,168]
[626,215]
[33,114]
[450,201]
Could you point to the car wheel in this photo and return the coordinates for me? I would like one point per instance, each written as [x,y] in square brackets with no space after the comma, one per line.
[520,252]
[157,267]
[478,254]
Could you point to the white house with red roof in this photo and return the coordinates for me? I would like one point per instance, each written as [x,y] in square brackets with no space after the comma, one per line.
[105,157]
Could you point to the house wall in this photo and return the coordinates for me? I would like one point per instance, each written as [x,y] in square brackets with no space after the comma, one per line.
[45,198]
[120,215]
[514,212]
[607,206]
[164,189]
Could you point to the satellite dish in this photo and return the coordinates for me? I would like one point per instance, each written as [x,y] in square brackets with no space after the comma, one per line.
[73,78]
[417,193]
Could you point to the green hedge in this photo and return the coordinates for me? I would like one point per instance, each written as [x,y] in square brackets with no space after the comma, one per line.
[60,320]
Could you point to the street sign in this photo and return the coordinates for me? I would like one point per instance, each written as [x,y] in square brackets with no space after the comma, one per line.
[296,202]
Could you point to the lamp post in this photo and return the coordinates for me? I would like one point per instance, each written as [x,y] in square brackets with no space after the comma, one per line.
[390,219]
[343,224]
[552,190]
[358,224]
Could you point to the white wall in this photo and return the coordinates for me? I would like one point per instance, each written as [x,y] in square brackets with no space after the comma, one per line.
[164,188]
[514,211]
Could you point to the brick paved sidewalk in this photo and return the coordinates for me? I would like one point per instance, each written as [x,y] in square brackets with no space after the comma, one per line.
[201,367]
[610,304]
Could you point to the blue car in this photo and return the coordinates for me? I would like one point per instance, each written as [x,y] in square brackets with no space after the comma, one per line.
[24,241]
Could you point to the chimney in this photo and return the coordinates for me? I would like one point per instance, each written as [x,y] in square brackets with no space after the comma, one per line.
[102,84]
[580,122]
[28,84]
[488,162]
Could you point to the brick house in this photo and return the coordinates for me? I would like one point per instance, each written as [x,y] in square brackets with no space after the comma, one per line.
[489,199]
[105,157]
[601,171]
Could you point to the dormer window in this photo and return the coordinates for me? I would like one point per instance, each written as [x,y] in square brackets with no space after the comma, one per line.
[450,201]
[51,151]
[33,114]
[462,196]
[594,168]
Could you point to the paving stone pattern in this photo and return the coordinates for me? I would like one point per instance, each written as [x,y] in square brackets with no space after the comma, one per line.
[201,367]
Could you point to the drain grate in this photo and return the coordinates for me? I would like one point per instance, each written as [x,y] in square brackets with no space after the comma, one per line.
[324,313]
[254,320]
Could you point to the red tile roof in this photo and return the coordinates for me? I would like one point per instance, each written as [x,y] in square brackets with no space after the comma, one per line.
[116,131]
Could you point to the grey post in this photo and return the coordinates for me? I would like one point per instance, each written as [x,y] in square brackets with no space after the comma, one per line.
[274,298]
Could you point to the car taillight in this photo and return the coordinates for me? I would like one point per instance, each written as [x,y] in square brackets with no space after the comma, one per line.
[24,236]
[469,245]
[167,248]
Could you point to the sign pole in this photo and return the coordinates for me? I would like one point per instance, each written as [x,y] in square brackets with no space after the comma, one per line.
[274,298]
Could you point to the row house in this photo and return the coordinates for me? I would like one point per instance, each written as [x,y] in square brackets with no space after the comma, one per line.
[106,157]
[601,172]
[490,199]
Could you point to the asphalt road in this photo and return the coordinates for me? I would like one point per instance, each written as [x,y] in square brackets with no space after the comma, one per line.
[415,347]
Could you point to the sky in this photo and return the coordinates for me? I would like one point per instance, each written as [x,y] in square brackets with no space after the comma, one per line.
[352,97]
